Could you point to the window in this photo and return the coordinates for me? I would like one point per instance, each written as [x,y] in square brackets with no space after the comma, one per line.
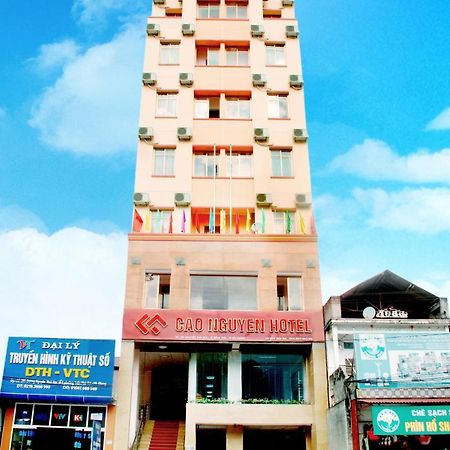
[238,108]
[212,375]
[236,11]
[283,222]
[157,290]
[272,376]
[281,163]
[223,292]
[166,105]
[169,53]
[277,107]
[164,162]
[207,108]
[208,11]
[204,164]
[289,293]
[161,221]
[241,164]
[208,56]
[237,56]
[275,55]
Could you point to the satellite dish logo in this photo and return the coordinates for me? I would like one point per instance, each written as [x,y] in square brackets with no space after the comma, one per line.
[388,420]
[372,346]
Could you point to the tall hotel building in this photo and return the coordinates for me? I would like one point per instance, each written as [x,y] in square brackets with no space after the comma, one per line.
[223,343]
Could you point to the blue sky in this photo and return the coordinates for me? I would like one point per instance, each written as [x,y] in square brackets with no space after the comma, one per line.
[377,90]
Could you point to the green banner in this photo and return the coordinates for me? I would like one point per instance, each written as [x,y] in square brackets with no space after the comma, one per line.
[405,420]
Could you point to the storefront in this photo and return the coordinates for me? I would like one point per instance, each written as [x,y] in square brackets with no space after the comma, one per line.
[58,394]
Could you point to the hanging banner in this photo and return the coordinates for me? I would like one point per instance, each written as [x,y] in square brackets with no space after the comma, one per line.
[402,360]
[407,420]
[49,369]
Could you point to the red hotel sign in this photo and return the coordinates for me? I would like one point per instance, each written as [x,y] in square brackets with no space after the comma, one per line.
[213,326]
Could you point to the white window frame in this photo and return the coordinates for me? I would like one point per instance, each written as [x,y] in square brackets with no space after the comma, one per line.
[239,164]
[166,104]
[169,53]
[160,221]
[153,298]
[240,56]
[281,156]
[280,221]
[277,107]
[167,154]
[243,108]
[207,161]
[237,11]
[211,10]
[275,55]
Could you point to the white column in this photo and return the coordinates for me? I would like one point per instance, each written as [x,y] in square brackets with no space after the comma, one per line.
[234,376]
[192,377]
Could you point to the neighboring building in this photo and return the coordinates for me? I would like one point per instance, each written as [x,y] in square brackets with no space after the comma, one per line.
[57,394]
[223,342]
[399,334]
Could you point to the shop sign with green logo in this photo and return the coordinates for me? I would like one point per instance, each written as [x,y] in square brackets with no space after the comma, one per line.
[406,420]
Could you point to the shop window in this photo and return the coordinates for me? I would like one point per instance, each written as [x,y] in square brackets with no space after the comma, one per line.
[275,55]
[238,108]
[212,375]
[23,415]
[236,11]
[208,56]
[205,164]
[237,56]
[289,293]
[277,106]
[223,292]
[272,377]
[208,11]
[283,222]
[281,163]
[97,413]
[78,416]
[169,53]
[164,162]
[269,439]
[241,164]
[207,108]
[41,415]
[166,105]
[60,416]
[157,290]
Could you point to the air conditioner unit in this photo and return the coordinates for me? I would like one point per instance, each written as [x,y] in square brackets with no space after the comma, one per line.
[182,199]
[295,80]
[184,134]
[146,133]
[291,31]
[303,200]
[141,199]
[261,134]
[153,29]
[159,2]
[186,78]
[188,29]
[257,30]
[259,79]
[288,2]
[300,135]
[263,199]
[149,78]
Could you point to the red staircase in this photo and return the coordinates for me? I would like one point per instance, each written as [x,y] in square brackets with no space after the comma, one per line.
[164,436]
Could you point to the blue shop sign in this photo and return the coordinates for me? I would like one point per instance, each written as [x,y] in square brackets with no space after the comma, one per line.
[48,369]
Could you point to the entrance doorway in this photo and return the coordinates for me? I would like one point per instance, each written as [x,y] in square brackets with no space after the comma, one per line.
[169,391]
[268,439]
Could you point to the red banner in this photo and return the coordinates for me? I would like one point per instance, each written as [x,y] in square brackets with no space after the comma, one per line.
[214,326]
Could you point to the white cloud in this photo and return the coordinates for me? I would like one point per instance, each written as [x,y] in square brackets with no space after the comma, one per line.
[55,55]
[92,108]
[67,284]
[440,122]
[336,281]
[90,11]
[422,210]
[13,217]
[375,160]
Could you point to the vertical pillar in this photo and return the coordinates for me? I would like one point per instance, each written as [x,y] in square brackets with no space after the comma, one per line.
[354,423]
[234,376]
[235,437]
